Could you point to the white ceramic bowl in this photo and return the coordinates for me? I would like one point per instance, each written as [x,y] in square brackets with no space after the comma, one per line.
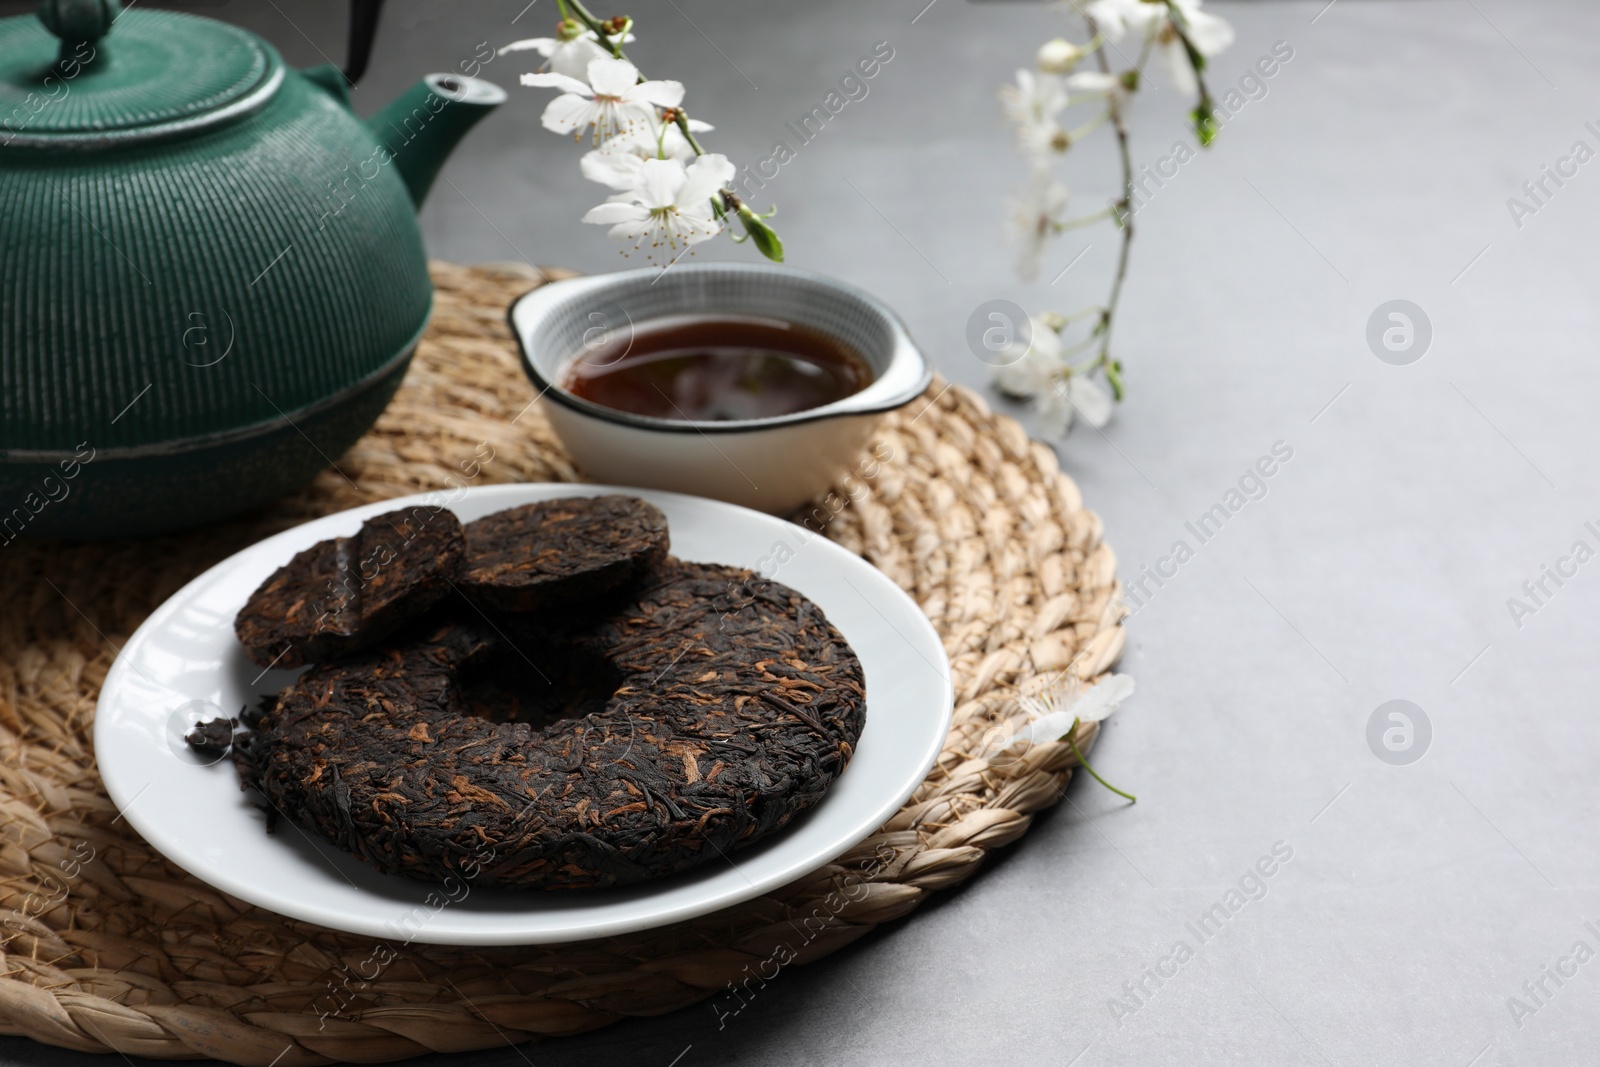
[772,464]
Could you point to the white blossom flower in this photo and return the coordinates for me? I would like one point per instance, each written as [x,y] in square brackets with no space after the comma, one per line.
[1069,397]
[1066,696]
[1092,81]
[1208,33]
[1032,106]
[1055,413]
[616,163]
[670,206]
[1115,18]
[1058,56]
[1030,372]
[1039,142]
[1051,712]
[1042,207]
[1035,97]
[1091,399]
[566,56]
[613,100]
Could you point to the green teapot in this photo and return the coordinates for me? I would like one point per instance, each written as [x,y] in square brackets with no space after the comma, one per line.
[211,275]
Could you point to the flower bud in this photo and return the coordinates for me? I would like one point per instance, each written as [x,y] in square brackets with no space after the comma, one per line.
[1114,378]
[1059,56]
[768,243]
[570,30]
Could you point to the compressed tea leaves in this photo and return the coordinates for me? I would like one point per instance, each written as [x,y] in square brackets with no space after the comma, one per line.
[349,593]
[558,552]
[722,705]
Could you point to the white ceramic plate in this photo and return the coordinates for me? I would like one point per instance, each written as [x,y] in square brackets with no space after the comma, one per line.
[184,664]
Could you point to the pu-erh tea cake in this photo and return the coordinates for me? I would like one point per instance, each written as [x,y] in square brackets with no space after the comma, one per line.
[348,593]
[561,551]
[696,710]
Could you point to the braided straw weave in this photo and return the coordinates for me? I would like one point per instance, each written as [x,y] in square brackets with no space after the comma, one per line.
[106,946]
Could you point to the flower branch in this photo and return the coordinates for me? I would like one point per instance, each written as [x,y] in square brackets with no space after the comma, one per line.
[670,193]
[1184,36]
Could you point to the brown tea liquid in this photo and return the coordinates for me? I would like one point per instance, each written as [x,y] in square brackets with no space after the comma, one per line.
[720,368]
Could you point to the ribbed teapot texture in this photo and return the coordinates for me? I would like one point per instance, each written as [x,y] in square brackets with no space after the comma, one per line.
[211,276]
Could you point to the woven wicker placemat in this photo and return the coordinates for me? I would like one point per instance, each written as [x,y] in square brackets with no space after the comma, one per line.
[106,946]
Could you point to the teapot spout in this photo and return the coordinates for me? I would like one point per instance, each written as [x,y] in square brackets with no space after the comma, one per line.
[421,126]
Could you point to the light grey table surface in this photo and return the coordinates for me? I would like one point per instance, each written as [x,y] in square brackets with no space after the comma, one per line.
[1378,566]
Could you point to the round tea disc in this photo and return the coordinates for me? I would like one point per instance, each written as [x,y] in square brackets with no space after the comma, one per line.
[735,705]
[560,552]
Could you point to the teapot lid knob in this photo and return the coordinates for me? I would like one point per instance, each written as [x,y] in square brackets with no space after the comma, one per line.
[79,20]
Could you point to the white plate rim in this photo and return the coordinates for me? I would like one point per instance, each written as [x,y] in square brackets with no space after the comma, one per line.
[923,639]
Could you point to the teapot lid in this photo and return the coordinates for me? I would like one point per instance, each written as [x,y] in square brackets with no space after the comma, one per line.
[88,74]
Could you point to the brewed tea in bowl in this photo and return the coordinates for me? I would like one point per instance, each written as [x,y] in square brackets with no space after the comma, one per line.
[753,384]
[717,368]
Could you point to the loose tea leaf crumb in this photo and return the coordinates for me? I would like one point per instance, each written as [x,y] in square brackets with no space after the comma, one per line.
[212,738]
